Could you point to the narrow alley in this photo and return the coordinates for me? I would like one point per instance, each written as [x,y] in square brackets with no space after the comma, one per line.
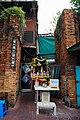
[25,109]
[39,71]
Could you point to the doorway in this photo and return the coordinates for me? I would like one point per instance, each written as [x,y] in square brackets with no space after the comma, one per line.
[26,59]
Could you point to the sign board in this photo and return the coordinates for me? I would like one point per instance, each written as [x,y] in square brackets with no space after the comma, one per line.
[45,96]
[54,83]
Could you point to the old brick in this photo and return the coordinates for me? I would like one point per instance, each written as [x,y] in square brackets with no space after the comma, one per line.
[68,24]
[9,78]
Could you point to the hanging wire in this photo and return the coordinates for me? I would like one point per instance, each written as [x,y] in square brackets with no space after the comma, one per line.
[29,53]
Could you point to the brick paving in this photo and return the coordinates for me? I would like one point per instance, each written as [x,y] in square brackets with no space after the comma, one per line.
[25,109]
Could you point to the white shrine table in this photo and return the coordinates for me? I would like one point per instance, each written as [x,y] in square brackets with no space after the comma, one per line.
[45,104]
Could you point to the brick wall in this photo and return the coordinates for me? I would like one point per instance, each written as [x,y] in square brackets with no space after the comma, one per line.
[9,76]
[31,25]
[65,36]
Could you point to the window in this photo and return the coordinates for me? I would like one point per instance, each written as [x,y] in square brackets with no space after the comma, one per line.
[28,37]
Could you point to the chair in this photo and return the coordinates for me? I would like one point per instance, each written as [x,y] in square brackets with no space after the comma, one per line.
[3,109]
[50,105]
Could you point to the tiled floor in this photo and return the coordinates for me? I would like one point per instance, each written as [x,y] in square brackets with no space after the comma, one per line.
[25,109]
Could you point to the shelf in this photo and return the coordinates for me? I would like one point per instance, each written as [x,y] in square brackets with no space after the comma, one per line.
[40,77]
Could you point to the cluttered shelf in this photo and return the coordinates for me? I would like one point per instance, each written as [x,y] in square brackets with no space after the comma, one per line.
[42,78]
[40,71]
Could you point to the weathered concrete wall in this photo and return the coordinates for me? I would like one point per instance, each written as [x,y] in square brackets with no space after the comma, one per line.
[65,36]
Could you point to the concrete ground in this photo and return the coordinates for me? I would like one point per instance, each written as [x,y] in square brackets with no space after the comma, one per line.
[25,109]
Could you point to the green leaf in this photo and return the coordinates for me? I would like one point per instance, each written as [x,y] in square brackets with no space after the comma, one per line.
[12,11]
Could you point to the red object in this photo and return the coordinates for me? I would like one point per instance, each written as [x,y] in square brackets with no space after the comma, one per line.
[47,69]
[37,80]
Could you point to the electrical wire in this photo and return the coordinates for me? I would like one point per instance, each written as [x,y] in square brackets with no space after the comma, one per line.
[29,53]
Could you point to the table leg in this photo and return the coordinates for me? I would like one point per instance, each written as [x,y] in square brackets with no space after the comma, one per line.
[37,102]
[37,96]
[37,109]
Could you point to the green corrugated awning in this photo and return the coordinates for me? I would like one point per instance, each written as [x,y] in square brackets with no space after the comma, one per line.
[75,47]
[46,46]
